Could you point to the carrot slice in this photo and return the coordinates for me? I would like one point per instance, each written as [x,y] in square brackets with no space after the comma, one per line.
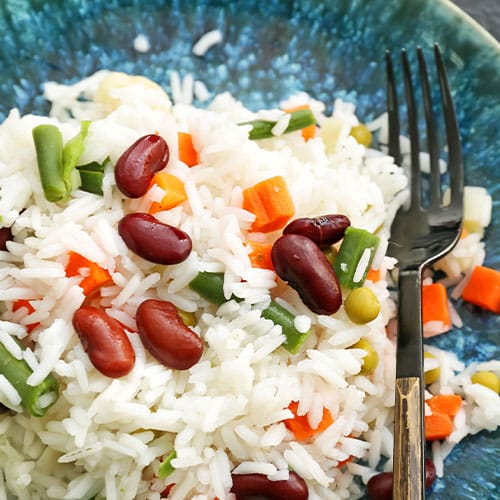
[20,303]
[341,464]
[187,152]
[271,203]
[437,426]
[435,304]
[307,132]
[175,194]
[260,256]
[445,403]
[483,289]
[94,276]
[373,275]
[299,424]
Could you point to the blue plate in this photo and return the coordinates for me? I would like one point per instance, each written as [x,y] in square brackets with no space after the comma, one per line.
[329,49]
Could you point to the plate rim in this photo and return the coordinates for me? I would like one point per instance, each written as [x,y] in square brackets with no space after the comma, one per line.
[473,24]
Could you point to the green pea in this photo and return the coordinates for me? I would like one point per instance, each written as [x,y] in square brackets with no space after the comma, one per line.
[488,379]
[362,305]
[431,376]
[370,359]
[361,134]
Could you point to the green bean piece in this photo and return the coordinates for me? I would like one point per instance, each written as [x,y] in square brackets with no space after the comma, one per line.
[166,467]
[72,151]
[48,146]
[91,181]
[210,287]
[91,176]
[262,129]
[17,371]
[355,247]
[281,316]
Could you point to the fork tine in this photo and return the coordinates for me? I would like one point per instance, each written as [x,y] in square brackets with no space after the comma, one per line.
[452,133]
[392,110]
[432,143]
[412,131]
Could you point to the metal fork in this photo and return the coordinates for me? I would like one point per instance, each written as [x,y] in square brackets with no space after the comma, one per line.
[420,235]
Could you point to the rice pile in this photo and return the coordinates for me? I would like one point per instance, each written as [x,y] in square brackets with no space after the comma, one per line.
[105,438]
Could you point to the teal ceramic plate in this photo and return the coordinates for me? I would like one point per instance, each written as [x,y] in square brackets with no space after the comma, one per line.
[329,49]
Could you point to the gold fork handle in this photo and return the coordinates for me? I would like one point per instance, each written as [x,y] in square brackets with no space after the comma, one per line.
[408,470]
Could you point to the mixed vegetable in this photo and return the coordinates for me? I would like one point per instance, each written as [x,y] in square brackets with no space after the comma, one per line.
[327,261]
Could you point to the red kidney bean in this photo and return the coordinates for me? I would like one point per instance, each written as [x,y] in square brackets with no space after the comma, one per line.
[105,341]
[324,230]
[154,241]
[246,486]
[136,166]
[5,236]
[165,335]
[380,486]
[430,473]
[300,262]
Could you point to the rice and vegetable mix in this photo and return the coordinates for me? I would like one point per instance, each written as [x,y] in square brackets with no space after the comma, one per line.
[196,303]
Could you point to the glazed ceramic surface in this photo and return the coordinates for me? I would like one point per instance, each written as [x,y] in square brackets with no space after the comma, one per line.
[270,50]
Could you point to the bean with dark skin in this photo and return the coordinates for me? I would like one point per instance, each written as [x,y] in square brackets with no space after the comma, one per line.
[259,487]
[154,241]
[5,236]
[380,486]
[166,336]
[105,341]
[300,262]
[137,165]
[324,230]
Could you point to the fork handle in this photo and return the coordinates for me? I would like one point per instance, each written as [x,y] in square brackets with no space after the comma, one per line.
[408,480]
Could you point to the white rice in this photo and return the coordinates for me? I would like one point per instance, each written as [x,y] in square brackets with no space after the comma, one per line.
[141,43]
[226,414]
[206,41]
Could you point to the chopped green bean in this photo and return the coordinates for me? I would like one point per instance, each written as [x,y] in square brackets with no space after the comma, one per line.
[35,399]
[262,129]
[71,153]
[48,146]
[56,163]
[281,316]
[355,256]
[166,467]
[210,287]
[91,181]
[91,176]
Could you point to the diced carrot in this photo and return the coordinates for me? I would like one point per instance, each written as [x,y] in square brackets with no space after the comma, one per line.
[464,233]
[373,275]
[94,276]
[20,303]
[187,152]
[175,193]
[483,289]
[260,256]
[437,426]
[445,403]
[271,203]
[299,424]
[341,464]
[435,304]
[307,132]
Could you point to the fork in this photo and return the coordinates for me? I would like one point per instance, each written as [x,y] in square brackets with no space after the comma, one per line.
[421,233]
